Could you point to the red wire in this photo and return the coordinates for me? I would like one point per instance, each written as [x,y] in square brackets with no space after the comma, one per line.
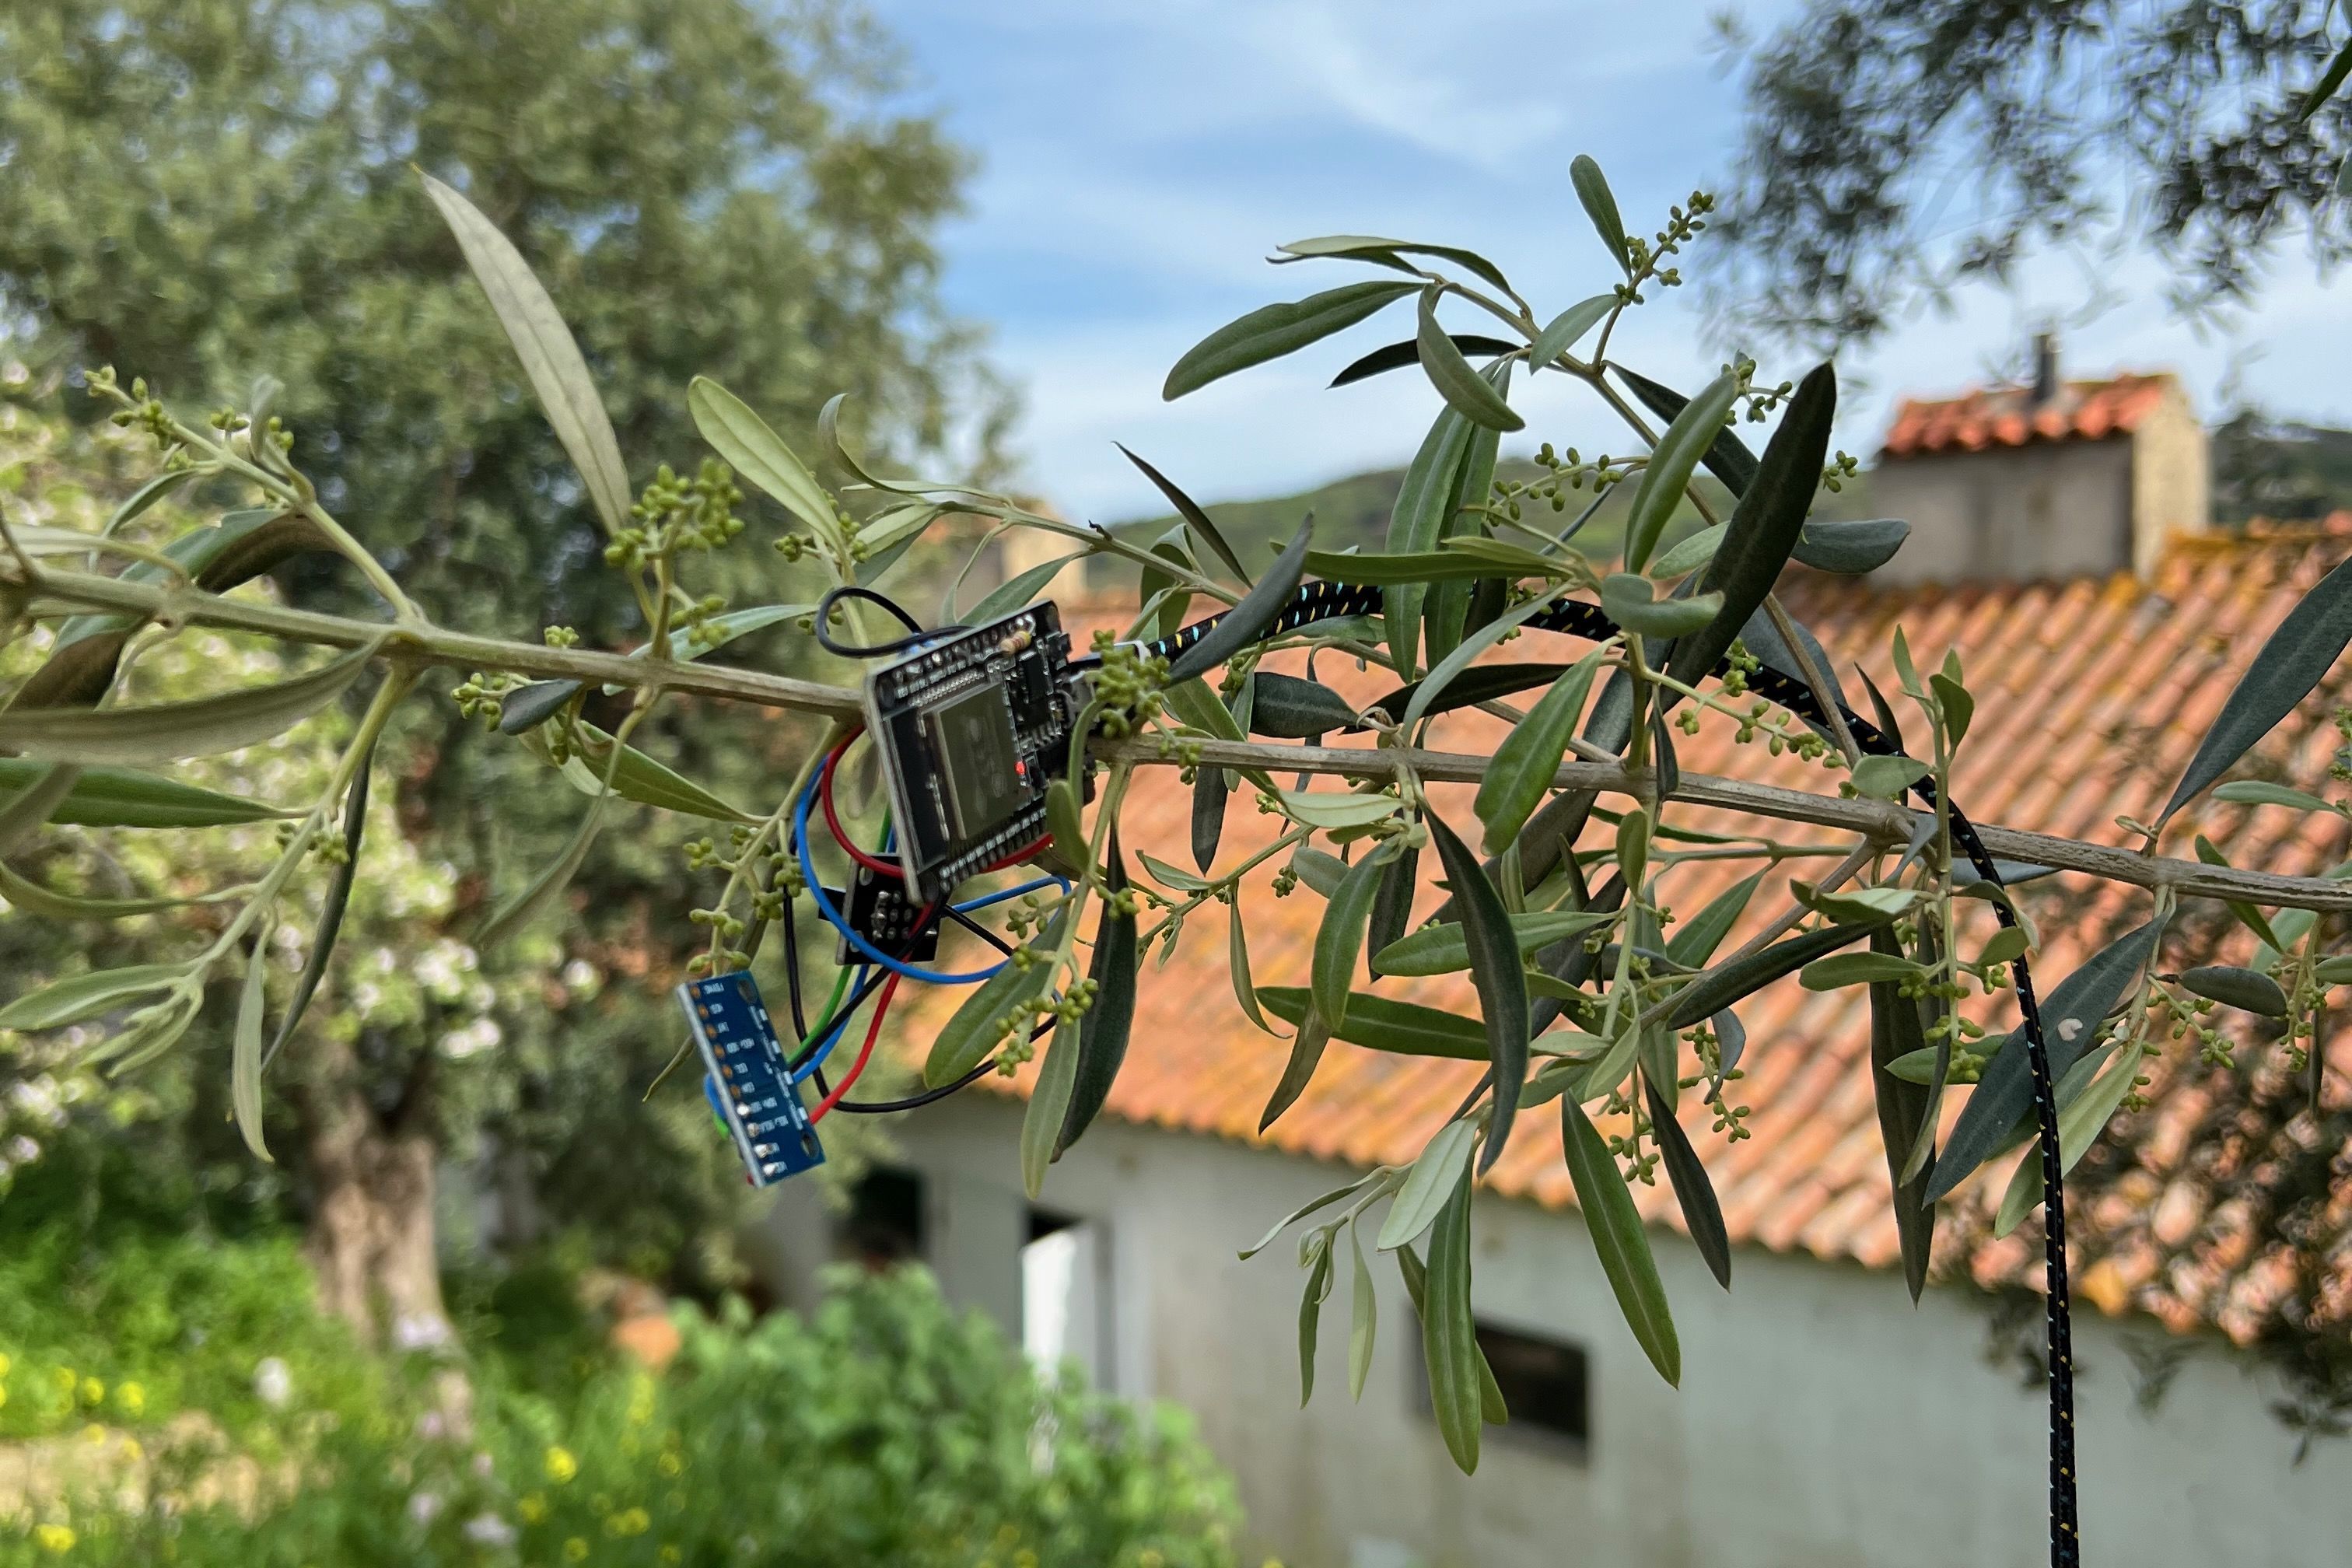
[864,1052]
[832,818]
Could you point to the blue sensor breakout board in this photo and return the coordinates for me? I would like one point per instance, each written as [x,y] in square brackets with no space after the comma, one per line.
[749,1079]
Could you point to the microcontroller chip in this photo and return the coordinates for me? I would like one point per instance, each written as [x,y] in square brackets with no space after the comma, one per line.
[972,734]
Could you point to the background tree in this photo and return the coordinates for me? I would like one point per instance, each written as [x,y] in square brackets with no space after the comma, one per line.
[1894,148]
[211,190]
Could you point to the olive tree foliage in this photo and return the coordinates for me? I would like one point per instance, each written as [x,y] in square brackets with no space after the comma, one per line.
[1592,1008]
[1895,148]
[222,194]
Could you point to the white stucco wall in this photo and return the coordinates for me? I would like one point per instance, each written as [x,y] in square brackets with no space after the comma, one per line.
[1822,1422]
[2015,514]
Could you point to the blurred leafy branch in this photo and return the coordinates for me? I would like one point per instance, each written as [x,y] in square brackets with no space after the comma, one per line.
[1682,634]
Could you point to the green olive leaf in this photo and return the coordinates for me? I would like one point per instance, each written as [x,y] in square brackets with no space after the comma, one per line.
[166,732]
[1274,331]
[1476,397]
[1618,1239]
[549,355]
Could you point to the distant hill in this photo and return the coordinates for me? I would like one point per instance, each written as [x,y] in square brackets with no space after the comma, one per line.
[2262,467]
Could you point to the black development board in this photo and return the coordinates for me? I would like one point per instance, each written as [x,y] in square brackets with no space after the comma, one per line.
[971,729]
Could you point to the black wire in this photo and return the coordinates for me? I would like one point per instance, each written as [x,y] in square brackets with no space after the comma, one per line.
[792,971]
[918,637]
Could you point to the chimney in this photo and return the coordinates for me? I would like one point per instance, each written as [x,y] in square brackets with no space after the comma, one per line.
[2045,369]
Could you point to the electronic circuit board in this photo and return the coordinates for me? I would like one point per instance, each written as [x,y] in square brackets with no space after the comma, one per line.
[971,730]
[749,1079]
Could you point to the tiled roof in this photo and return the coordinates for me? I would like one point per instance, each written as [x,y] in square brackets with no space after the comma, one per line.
[2091,696]
[2008,416]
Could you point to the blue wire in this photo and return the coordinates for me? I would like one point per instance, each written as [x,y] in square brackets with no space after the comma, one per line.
[824,1048]
[981,903]
[833,916]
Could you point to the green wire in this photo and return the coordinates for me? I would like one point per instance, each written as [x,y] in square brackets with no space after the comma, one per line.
[840,985]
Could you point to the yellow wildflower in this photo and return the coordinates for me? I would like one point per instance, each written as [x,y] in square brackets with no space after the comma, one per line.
[575,1549]
[630,1521]
[3,1365]
[66,1377]
[92,1391]
[132,1451]
[1025,1558]
[94,1433]
[131,1397]
[534,1508]
[56,1538]
[669,1464]
[561,1466]
[669,1555]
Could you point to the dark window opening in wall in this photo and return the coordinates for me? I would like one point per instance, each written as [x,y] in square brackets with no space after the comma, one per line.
[885,1223]
[1547,1387]
[1044,1223]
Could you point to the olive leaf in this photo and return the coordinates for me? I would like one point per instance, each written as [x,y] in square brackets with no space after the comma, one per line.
[1449,1336]
[638,777]
[2247,990]
[1339,939]
[1630,601]
[551,357]
[1111,1019]
[1521,772]
[1290,709]
[1194,517]
[761,457]
[1564,328]
[1392,903]
[1428,1184]
[1671,463]
[1310,1311]
[1049,1102]
[1702,1211]
[1017,591]
[1415,525]
[166,732]
[1306,1055]
[1446,613]
[1237,967]
[1444,948]
[1249,621]
[1383,1024]
[2248,915]
[1765,524]
[30,806]
[528,706]
[331,912]
[2081,1115]
[1384,252]
[1618,1239]
[1460,655]
[1461,386]
[1727,982]
[1209,797]
[1495,971]
[123,798]
[1696,940]
[1728,457]
[1311,1207]
[2302,649]
[1851,546]
[83,996]
[2002,1104]
[1363,1310]
[1397,355]
[1904,1107]
[993,1008]
[1600,206]
[245,1055]
[1063,822]
[1274,331]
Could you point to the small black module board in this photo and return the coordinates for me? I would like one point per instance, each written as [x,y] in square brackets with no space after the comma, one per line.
[971,729]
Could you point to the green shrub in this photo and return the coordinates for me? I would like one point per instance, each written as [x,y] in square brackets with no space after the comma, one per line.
[890,1429]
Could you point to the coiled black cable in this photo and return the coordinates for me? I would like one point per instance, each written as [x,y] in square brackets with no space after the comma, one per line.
[1320,601]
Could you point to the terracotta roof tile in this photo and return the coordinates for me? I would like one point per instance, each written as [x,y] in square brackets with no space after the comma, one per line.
[2006,415]
[2092,697]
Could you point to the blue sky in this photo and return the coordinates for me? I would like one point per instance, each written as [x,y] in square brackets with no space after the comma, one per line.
[1139,161]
